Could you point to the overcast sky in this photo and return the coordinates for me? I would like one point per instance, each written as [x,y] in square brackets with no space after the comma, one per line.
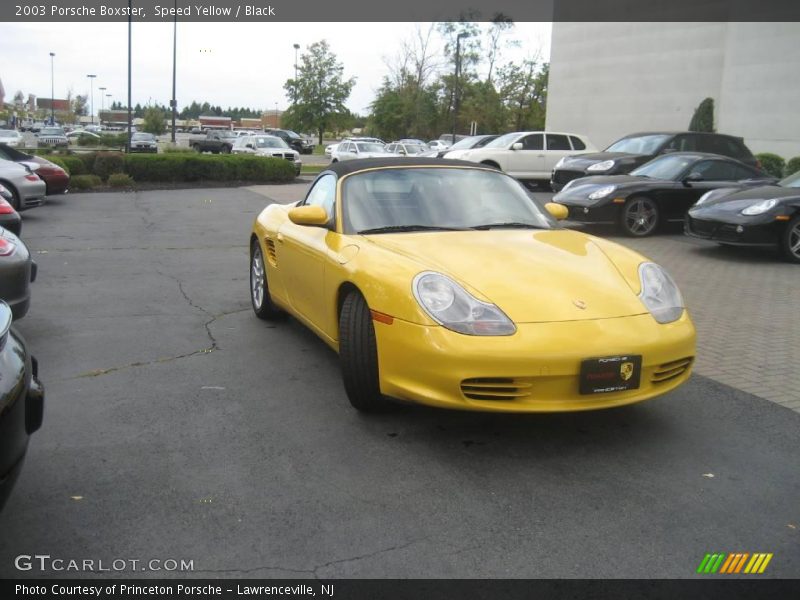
[227,64]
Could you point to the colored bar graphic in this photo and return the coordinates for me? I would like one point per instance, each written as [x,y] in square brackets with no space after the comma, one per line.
[765,563]
[734,562]
[703,563]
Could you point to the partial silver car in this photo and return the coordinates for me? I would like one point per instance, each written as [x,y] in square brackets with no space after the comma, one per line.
[12,137]
[27,189]
[353,150]
[267,145]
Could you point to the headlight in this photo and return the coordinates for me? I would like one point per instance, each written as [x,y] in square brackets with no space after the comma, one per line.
[606,165]
[660,294]
[759,208]
[452,306]
[704,198]
[602,192]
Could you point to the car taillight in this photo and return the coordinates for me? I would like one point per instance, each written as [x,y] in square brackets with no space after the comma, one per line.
[7,248]
[32,177]
[5,207]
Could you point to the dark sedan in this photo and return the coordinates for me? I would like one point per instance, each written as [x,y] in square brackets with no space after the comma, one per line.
[17,272]
[660,190]
[144,142]
[21,402]
[632,151]
[760,216]
[55,178]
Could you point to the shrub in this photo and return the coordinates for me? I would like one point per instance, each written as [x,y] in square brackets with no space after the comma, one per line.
[88,140]
[703,117]
[772,164]
[87,158]
[177,149]
[107,163]
[792,166]
[74,165]
[56,160]
[120,180]
[85,182]
[188,167]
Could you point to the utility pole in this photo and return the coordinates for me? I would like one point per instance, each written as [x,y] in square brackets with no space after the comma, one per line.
[91,106]
[52,91]
[174,102]
[296,48]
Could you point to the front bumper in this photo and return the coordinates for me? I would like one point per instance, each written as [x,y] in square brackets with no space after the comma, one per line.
[536,369]
[733,231]
[146,149]
[561,177]
[606,213]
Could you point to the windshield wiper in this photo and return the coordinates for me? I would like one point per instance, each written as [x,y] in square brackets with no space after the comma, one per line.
[394,228]
[509,225]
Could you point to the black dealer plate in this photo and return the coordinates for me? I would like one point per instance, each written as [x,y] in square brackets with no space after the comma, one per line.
[610,374]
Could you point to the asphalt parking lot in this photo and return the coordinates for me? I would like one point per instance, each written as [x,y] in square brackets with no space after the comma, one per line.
[179,426]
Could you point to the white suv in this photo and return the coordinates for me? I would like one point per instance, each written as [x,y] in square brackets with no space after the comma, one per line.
[529,155]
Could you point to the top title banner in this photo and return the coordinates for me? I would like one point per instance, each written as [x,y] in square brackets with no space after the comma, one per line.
[400,11]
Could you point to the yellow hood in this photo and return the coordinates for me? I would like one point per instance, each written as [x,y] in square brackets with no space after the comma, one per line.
[533,276]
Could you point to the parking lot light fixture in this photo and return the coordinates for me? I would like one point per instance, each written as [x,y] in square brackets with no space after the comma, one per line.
[52,91]
[459,37]
[91,105]
[296,48]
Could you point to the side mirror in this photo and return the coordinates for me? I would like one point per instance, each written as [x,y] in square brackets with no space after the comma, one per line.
[557,211]
[516,146]
[691,177]
[312,216]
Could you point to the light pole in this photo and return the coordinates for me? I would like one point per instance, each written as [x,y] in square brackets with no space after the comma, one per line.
[91,79]
[174,102]
[102,103]
[52,91]
[277,125]
[130,115]
[109,100]
[461,35]
[296,48]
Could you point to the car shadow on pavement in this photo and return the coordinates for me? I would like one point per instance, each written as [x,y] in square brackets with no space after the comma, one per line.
[743,254]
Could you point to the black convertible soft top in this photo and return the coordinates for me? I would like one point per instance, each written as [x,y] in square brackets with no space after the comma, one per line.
[353,166]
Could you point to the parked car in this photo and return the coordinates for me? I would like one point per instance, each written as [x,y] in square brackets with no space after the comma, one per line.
[632,151]
[52,136]
[21,402]
[17,272]
[658,191]
[93,128]
[299,143]
[27,189]
[444,283]
[331,148]
[38,126]
[270,146]
[468,143]
[751,216]
[144,142]
[12,138]
[438,145]
[216,141]
[528,155]
[407,148]
[77,134]
[55,178]
[9,218]
[353,150]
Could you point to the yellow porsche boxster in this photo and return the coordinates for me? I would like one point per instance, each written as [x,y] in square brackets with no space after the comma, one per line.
[444,283]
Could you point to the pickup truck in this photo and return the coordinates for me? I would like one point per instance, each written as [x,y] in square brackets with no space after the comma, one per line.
[214,141]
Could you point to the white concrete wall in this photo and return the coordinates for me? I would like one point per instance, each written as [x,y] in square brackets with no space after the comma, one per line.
[611,79]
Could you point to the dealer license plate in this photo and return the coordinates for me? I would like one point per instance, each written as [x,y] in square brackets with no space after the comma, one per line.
[610,374]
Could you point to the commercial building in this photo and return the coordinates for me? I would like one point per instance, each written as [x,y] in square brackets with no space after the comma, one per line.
[611,79]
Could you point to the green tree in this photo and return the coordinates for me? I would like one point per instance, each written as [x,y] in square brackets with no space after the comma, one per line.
[703,118]
[523,88]
[154,121]
[319,92]
[79,105]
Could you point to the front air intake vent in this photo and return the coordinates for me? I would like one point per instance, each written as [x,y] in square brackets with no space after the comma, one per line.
[502,389]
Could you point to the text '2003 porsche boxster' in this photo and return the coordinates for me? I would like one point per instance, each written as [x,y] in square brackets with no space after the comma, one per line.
[443,283]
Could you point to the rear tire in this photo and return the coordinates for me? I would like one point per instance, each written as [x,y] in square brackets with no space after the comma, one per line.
[639,217]
[259,288]
[358,355]
[790,240]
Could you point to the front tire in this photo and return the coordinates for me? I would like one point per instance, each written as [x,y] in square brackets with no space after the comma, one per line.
[263,306]
[639,217]
[790,240]
[358,355]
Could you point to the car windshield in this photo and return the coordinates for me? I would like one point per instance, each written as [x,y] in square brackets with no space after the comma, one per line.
[269,142]
[792,181]
[292,134]
[466,143]
[665,167]
[414,149]
[143,137]
[504,141]
[370,147]
[640,144]
[420,198]
[52,131]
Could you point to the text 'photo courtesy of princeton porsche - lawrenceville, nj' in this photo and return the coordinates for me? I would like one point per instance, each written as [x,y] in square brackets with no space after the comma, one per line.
[408,301]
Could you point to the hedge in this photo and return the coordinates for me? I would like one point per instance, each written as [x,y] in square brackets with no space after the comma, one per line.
[108,163]
[792,166]
[74,165]
[182,167]
[85,182]
[772,164]
[120,180]
[58,160]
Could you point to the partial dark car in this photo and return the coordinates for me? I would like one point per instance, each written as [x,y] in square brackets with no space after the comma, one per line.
[17,272]
[634,150]
[658,191]
[144,142]
[296,141]
[751,216]
[55,178]
[9,218]
[21,402]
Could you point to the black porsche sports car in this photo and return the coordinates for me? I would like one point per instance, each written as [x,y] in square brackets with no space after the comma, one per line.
[17,271]
[660,190]
[760,216]
[632,151]
[21,402]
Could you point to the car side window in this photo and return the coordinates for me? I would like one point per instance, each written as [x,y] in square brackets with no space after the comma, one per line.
[556,141]
[323,194]
[714,170]
[534,141]
[682,143]
[742,172]
[577,143]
